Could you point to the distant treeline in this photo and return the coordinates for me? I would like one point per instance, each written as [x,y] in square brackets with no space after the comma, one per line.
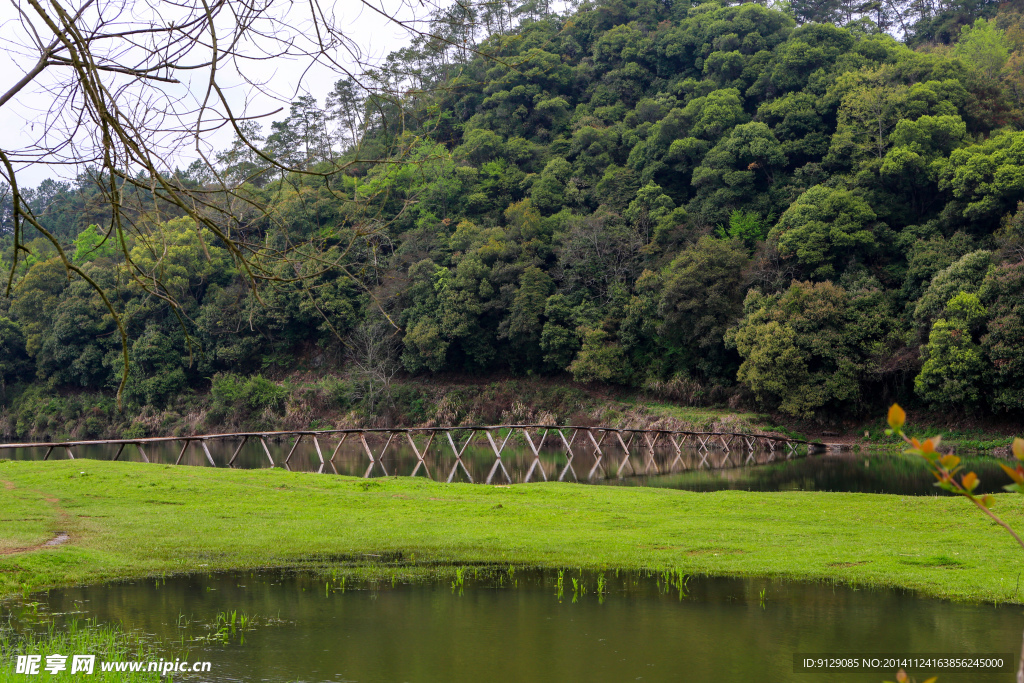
[711,201]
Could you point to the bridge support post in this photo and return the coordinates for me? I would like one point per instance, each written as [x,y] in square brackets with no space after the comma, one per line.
[231,462]
[651,443]
[266,450]
[182,452]
[458,455]
[625,448]
[420,462]
[677,444]
[295,445]
[319,454]
[568,454]
[597,452]
[375,460]
[206,451]
[497,456]
[336,449]
[536,464]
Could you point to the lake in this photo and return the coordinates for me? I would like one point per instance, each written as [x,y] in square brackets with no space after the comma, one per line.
[526,625]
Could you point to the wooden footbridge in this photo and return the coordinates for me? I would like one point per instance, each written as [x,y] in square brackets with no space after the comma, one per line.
[605,448]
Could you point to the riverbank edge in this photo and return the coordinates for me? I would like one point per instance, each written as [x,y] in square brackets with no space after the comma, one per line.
[300,401]
[133,520]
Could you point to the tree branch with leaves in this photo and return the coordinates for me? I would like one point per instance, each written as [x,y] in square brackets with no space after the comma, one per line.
[949,476]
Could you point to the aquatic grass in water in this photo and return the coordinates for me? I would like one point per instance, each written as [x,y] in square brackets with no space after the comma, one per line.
[460,580]
[673,581]
[109,643]
[230,627]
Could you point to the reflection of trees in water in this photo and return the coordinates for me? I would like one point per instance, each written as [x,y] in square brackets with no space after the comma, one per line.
[885,473]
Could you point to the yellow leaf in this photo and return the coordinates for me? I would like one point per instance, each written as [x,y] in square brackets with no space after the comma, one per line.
[932,679]
[950,461]
[1018,448]
[897,418]
[987,501]
[970,481]
[930,445]
[901,676]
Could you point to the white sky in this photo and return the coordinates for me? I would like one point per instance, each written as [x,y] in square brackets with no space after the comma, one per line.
[22,117]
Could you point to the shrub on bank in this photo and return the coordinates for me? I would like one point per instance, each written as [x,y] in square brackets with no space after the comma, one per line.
[235,396]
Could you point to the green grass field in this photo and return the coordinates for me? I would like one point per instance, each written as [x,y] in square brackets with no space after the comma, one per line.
[131,520]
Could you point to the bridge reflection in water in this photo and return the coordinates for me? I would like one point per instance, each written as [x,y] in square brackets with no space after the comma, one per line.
[488,454]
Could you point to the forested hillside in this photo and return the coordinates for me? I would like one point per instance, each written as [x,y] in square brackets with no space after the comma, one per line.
[712,202]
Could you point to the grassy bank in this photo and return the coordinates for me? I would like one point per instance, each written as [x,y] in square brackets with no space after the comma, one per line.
[130,520]
[237,403]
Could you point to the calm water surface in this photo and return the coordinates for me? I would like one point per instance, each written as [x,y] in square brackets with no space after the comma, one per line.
[518,629]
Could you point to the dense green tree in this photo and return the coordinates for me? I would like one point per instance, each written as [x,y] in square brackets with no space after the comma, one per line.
[954,373]
[525,322]
[983,46]
[868,114]
[738,172]
[816,11]
[36,295]
[548,191]
[558,340]
[702,297]
[157,373]
[480,146]
[927,254]
[651,209]
[826,229]
[600,358]
[81,336]
[711,116]
[798,125]
[986,180]
[91,244]
[14,360]
[806,350]
[1003,292]
[964,275]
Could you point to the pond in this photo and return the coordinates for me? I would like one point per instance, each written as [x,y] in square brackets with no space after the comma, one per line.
[864,472]
[531,626]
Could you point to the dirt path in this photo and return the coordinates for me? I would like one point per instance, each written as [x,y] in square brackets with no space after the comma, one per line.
[60,538]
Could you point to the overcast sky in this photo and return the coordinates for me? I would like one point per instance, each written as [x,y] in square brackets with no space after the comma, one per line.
[21,118]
